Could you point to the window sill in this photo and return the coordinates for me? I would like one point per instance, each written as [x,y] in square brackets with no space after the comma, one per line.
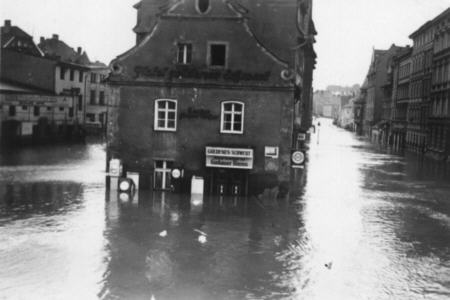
[231,132]
[165,129]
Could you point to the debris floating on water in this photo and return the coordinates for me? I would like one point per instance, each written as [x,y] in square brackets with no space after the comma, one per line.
[201,232]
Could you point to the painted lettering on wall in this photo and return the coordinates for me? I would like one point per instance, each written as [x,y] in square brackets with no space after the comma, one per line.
[197,73]
[193,113]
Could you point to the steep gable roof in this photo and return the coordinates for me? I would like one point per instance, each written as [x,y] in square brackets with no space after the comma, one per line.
[57,49]
[15,38]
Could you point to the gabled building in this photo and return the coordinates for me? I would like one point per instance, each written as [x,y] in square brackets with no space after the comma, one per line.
[15,39]
[215,88]
[379,91]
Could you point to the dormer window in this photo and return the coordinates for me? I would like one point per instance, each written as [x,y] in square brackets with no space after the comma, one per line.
[203,6]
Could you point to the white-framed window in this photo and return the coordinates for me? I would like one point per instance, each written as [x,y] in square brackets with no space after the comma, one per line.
[166,115]
[184,55]
[232,117]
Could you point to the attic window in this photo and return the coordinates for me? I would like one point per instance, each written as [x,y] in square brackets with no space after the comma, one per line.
[203,6]
[217,54]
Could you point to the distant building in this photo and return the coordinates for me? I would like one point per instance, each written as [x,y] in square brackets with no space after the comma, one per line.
[216,89]
[29,115]
[91,84]
[47,73]
[400,99]
[326,104]
[378,92]
[97,99]
[420,88]
[33,101]
[359,109]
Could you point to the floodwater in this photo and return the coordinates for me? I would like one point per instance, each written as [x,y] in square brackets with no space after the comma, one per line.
[359,224]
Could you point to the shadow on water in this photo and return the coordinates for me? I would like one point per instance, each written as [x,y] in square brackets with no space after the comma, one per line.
[182,247]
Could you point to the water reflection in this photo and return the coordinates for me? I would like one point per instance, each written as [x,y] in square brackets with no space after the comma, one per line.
[358,224]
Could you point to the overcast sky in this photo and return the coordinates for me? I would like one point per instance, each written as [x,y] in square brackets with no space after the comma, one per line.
[347,29]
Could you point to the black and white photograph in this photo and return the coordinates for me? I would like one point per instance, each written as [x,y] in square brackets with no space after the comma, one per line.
[224,149]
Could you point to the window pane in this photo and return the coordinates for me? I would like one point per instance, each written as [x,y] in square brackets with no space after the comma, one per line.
[238,107]
[171,115]
[227,126]
[227,117]
[161,104]
[158,180]
[189,53]
[171,124]
[227,106]
[171,105]
[161,124]
[159,163]
[161,115]
[217,53]
[237,118]
[180,53]
[237,127]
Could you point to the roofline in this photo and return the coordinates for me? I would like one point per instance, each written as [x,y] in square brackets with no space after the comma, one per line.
[33,89]
[65,63]
[430,23]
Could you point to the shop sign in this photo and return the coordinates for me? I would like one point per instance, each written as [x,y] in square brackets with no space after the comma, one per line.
[234,158]
[301,136]
[271,152]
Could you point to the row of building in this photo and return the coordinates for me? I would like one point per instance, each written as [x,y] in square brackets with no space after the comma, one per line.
[48,91]
[216,89]
[404,101]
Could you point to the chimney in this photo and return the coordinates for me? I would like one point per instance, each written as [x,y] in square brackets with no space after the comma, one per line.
[55,37]
[79,50]
[7,26]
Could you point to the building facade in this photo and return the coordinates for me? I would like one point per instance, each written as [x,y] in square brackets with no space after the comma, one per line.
[400,98]
[37,103]
[439,118]
[378,94]
[97,99]
[52,71]
[420,88]
[223,104]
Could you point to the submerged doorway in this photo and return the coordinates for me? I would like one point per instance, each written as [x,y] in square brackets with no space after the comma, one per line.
[229,182]
[162,175]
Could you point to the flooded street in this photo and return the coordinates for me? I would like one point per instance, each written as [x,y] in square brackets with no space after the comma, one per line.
[359,224]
